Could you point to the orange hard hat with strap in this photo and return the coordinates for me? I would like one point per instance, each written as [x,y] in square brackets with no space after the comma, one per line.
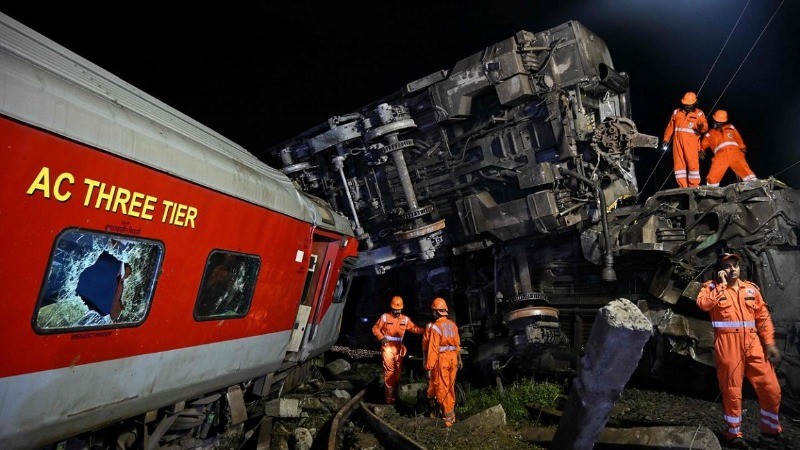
[439,305]
[720,115]
[397,302]
[689,98]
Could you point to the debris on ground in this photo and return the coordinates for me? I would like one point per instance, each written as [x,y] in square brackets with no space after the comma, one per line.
[489,420]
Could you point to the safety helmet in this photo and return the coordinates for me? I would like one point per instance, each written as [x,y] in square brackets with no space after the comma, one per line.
[720,115]
[689,98]
[397,302]
[439,305]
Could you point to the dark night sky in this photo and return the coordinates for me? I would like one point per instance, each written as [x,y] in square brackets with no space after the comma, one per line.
[260,74]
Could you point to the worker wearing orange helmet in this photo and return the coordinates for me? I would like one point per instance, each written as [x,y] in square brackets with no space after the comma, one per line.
[389,330]
[744,346]
[729,149]
[443,359]
[684,129]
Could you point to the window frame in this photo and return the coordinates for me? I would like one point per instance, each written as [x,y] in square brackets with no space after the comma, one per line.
[49,273]
[346,273]
[250,291]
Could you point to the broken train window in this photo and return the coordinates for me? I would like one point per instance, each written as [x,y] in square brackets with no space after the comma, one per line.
[345,280]
[227,288]
[97,280]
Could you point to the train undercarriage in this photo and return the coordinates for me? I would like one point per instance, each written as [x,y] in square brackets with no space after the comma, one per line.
[223,418]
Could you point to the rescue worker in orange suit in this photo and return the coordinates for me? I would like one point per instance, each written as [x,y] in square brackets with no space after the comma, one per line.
[433,406]
[744,346]
[443,359]
[728,147]
[389,330]
[684,129]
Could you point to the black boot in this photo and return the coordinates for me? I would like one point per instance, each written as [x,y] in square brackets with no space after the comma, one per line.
[433,408]
[773,441]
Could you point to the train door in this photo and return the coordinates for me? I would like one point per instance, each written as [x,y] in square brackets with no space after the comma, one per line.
[306,301]
[323,255]
[326,250]
[321,307]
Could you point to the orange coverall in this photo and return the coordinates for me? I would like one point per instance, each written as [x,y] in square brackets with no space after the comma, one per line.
[393,328]
[687,127]
[729,149]
[426,337]
[444,345]
[742,328]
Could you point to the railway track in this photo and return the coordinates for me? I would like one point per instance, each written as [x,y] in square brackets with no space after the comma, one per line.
[386,434]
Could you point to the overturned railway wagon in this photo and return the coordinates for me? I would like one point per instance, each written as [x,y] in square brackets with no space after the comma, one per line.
[506,184]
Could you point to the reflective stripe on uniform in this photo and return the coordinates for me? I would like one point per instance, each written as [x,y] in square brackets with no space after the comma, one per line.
[685,130]
[733,324]
[725,144]
[445,331]
[447,348]
[395,339]
[770,424]
[733,423]
[769,414]
[732,419]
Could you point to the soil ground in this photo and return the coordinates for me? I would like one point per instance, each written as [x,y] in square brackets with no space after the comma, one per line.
[638,406]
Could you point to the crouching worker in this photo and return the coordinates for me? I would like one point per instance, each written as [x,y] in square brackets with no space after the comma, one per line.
[729,149]
[389,330]
[443,360]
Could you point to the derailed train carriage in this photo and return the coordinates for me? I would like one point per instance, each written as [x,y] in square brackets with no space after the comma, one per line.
[507,185]
[157,279]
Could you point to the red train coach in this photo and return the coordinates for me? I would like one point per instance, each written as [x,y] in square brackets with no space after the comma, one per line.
[148,260]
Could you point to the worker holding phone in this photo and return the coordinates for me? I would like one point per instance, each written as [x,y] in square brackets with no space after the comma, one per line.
[744,346]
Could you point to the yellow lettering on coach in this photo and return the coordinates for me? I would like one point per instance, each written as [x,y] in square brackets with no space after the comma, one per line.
[62,197]
[90,184]
[191,214]
[42,183]
[115,199]
[178,214]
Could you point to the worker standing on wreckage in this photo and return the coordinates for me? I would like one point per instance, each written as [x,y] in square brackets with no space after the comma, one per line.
[389,330]
[744,346]
[684,129]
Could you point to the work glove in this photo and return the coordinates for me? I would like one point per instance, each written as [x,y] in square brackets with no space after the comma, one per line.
[384,341]
[773,354]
